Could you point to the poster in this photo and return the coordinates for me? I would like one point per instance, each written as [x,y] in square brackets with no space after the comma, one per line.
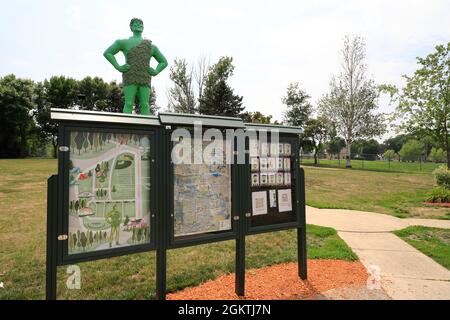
[255,164]
[280,178]
[255,179]
[280,149]
[259,203]
[279,164]
[284,200]
[273,198]
[272,179]
[264,149]
[263,180]
[287,149]
[263,164]
[287,164]
[109,188]
[274,149]
[272,164]
[287,178]
[202,198]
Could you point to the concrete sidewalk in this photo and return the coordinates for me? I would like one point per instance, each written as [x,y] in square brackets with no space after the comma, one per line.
[406,272]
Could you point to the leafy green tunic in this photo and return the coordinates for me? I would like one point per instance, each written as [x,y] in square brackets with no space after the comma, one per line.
[139,60]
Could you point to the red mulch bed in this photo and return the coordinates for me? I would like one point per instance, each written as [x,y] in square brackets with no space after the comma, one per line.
[280,282]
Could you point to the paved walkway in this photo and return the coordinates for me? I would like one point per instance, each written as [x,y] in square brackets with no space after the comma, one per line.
[406,272]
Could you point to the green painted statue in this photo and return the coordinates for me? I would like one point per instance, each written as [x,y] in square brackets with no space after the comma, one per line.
[136,72]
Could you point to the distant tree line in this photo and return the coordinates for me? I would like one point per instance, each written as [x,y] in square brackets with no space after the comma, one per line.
[25,109]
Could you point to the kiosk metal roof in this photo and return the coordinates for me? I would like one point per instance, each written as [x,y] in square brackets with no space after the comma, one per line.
[100,116]
[268,127]
[168,118]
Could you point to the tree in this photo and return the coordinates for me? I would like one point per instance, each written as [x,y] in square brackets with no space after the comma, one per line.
[366,149]
[57,92]
[412,150]
[255,117]
[298,107]
[352,100]
[425,100]
[389,154]
[437,155]
[218,97]
[16,105]
[315,131]
[92,94]
[181,95]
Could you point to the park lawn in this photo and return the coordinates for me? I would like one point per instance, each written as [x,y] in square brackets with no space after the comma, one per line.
[22,248]
[398,194]
[434,242]
[378,165]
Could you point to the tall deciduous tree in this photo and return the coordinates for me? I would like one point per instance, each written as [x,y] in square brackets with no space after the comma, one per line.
[298,106]
[316,131]
[16,105]
[58,92]
[181,96]
[426,98]
[353,98]
[218,97]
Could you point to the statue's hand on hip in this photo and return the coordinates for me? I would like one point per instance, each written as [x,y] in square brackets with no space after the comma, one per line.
[152,72]
[126,67]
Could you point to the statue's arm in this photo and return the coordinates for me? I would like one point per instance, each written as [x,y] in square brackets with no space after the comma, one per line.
[162,61]
[110,53]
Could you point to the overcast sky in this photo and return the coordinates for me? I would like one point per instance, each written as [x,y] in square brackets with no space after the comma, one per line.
[272,42]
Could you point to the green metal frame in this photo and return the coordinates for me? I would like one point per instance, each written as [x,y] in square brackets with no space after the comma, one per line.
[162,174]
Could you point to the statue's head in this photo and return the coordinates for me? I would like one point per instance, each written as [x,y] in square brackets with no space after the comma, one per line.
[137,25]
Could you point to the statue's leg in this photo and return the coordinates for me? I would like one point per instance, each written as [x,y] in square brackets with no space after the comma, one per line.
[129,92]
[144,99]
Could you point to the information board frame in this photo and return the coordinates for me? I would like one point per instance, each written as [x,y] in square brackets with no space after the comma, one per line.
[298,200]
[66,127]
[162,237]
[208,237]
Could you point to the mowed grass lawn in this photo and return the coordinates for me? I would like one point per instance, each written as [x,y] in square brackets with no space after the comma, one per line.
[23,236]
[399,194]
[378,165]
[434,242]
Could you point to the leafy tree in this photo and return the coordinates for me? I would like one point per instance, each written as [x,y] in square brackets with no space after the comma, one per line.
[397,142]
[298,106]
[425,100]
[255,117]
[316,131]
[366,149]
[218,97]
[389,154]
[16,105]
[353,98]
[92,94]
[437,155]
[181,95]
[412,150]
[57,92]
[335,145]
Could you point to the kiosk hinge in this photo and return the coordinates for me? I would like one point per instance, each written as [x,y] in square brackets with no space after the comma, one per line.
[248,215]
[236,218]
[63,149]
[62,237]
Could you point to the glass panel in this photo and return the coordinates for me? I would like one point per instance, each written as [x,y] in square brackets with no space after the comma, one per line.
[109,190]
[202,196]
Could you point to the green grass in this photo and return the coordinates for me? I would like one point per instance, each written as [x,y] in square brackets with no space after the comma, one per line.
[434,242]
[379,165]
[22,250]
[397,194]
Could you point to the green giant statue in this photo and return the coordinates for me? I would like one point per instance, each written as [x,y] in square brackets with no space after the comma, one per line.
[136,72]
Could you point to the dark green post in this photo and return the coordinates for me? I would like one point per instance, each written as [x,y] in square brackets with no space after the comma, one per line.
[301,231]
[51,262]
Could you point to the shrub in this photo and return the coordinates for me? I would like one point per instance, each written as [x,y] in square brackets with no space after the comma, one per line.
[442,176]
[439,194]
